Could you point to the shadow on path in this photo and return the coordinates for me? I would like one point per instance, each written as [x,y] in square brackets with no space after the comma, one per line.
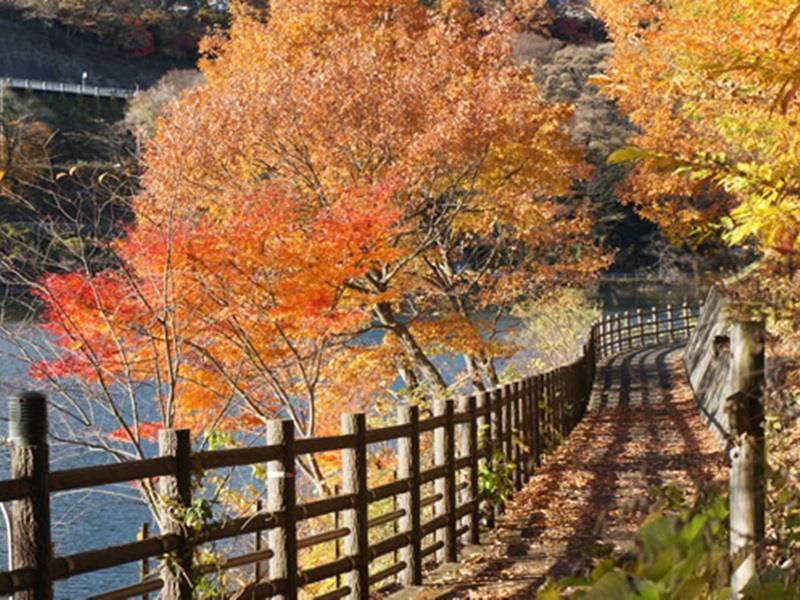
[642,430]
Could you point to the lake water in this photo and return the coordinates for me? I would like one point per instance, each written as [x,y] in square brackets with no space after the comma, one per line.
[87,520]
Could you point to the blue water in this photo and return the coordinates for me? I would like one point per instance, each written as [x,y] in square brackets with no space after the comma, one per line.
[83,519]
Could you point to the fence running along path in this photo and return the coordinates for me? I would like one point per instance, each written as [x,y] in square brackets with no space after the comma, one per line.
[441,483]
[62,87]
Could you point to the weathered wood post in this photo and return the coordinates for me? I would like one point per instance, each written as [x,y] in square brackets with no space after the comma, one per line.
[176,491]
[552,392]
[747,455]
[496,428]
[628,330]
[572,395]
[685,318]
[516,432]
[354,481]
[562,401]
[445,486]
[527,428]
[537,418]
[30,458]
[257,544]
[640,322]
[485,429]
[618,319]
[144,568]
[337,545]
[508,424]
[281,498]
[408,467]
[654,318]
[468,448]
[550,422]
[670,323]
[604,337]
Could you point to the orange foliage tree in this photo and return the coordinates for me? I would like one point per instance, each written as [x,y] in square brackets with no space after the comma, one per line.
[359,188]
[713,88]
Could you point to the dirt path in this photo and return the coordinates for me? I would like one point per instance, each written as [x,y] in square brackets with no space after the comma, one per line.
[642,430]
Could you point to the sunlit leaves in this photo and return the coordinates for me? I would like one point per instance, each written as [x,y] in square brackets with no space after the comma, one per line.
[345,168]
[713,87]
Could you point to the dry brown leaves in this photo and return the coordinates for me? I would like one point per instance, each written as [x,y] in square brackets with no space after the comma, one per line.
[642,432]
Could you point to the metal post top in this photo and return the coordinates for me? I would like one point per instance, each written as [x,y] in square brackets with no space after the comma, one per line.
[27,419]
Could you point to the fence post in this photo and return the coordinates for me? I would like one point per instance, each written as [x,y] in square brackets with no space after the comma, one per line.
[567,398]
[670,323]
[747,455]
[474,517]
[485,445]
[257,544]
[337,545]
[685,317]
[527,429]
[555,385]
[30,457]
[497,437]
[177,492]
[640,323]
[547,407]
[281,498]
[444,454]
[562,401]
[144,568]
[354,481]
[572,404]
[603,336]
[628,330]
[408,468]
[463,451]
[654,316]
[508,424]
[537,431]
[516,431]
[560,392]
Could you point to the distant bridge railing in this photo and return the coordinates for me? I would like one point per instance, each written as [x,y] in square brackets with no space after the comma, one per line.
[639,328]
[645,277]
[62,87]
[383,531]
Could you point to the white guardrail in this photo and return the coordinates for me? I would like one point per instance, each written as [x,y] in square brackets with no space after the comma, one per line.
[60,87]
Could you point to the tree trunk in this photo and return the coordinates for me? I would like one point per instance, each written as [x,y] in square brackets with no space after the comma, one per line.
[415,353]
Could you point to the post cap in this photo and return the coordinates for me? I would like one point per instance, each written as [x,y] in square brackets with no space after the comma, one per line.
[27,419]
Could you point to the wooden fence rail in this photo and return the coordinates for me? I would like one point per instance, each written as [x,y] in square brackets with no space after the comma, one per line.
[436,504]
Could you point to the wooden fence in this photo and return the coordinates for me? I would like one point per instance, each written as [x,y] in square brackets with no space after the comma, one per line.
[436,505]
[635,329]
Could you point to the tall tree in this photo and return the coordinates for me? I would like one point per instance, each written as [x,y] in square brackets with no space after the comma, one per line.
[346,196]
[713,88]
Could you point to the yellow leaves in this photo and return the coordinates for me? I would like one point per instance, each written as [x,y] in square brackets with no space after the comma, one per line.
[712,86]
[626,154]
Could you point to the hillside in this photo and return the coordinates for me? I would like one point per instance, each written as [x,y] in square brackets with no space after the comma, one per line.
[41,50]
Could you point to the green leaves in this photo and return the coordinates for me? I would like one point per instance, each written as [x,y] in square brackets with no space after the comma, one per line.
[496,480]
[626,154]
[680,554]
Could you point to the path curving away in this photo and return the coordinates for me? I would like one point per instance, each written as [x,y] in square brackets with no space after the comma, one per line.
[642,430]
